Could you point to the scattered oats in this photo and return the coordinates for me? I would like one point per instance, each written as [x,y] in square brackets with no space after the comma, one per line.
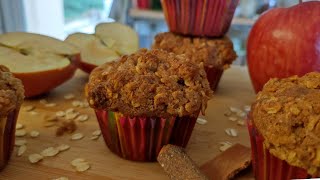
[33,112]
[70,110]
[234,109]
[51,105]
[43,101]
[84,104]
[34,134]
[20,142]
[227,113]
[201,121]
[241,114]
[247,108]
[77,136]
[69,96]
[94,137]
[241,122]
[49,152]
[231,132]
[225,145]
[19,126]
[76,103]
[61,178]
[77,161]
[233,118]
[70,116]
[63,147]
[28,108]
[34,158]
[51,118]
[82,118]
[81,167]
[49,124]
[21,132]
[96,133]
[21,150]
[60,113]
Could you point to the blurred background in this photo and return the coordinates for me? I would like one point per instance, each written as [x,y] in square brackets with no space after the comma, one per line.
[58,18]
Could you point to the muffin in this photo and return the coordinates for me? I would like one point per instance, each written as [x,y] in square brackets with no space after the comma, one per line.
[199,18]
[215,53]
[146,100]
[11,97]
[285,130]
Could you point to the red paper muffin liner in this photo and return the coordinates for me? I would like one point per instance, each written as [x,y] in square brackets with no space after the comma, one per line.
[199,18]
[268,167]
[7,138]
[213,75]
[140,138]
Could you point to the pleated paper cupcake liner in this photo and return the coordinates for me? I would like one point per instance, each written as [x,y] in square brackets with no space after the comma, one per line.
[213,75]
[268,167]
[199,18]
[7,137]
[140,138]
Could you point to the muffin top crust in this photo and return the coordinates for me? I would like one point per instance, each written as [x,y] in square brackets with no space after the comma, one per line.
[150,83]
[287,114]
[11,92]
[217,52]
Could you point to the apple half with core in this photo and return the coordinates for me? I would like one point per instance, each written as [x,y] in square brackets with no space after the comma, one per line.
[41,62]
[284,42]
[110,41]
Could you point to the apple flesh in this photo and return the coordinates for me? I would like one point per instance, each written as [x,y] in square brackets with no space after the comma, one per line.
[110,41]
[284,42]
[41,62]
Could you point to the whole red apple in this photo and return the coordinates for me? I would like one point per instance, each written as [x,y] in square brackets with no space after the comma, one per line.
[284,42]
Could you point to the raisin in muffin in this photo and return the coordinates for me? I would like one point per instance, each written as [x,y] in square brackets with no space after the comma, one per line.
[154,93]
[215,53]
[286,116]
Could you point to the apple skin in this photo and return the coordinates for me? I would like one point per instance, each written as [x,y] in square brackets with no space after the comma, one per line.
[284,42]
[86,67]
[37,83]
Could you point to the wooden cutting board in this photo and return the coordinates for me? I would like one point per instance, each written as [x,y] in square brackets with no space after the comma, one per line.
[235,90]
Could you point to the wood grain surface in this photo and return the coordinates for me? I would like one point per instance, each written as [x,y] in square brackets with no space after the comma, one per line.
[235,90]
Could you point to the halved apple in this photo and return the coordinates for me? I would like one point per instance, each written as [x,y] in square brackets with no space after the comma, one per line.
[110,41]
[41,62]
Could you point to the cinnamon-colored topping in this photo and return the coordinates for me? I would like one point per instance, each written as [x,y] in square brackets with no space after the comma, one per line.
[151,83]
[217,52]
[229,163]
[178,165]
[287,114]
[11,92]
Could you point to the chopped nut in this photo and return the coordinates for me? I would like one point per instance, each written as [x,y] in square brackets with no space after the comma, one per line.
[34,158]
[234,109]
[295,110]
[225,145]
[21,133]
[201,121]
[19,126]
[241,122]
[60,114]
[77,136]
[20,142]
[272,108]
[21,150]
[51,105]
[63,147]
[34,134]
[69,96]
[66,127]
[227,113]
[61,178]
[233,118]
[82,118]
[49,152]
[231,132]
[96,133]
[28,108]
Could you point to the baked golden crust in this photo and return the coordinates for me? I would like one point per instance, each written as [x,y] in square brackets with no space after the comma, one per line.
[11,92]
[287,114]
[217,52]
[151,83]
